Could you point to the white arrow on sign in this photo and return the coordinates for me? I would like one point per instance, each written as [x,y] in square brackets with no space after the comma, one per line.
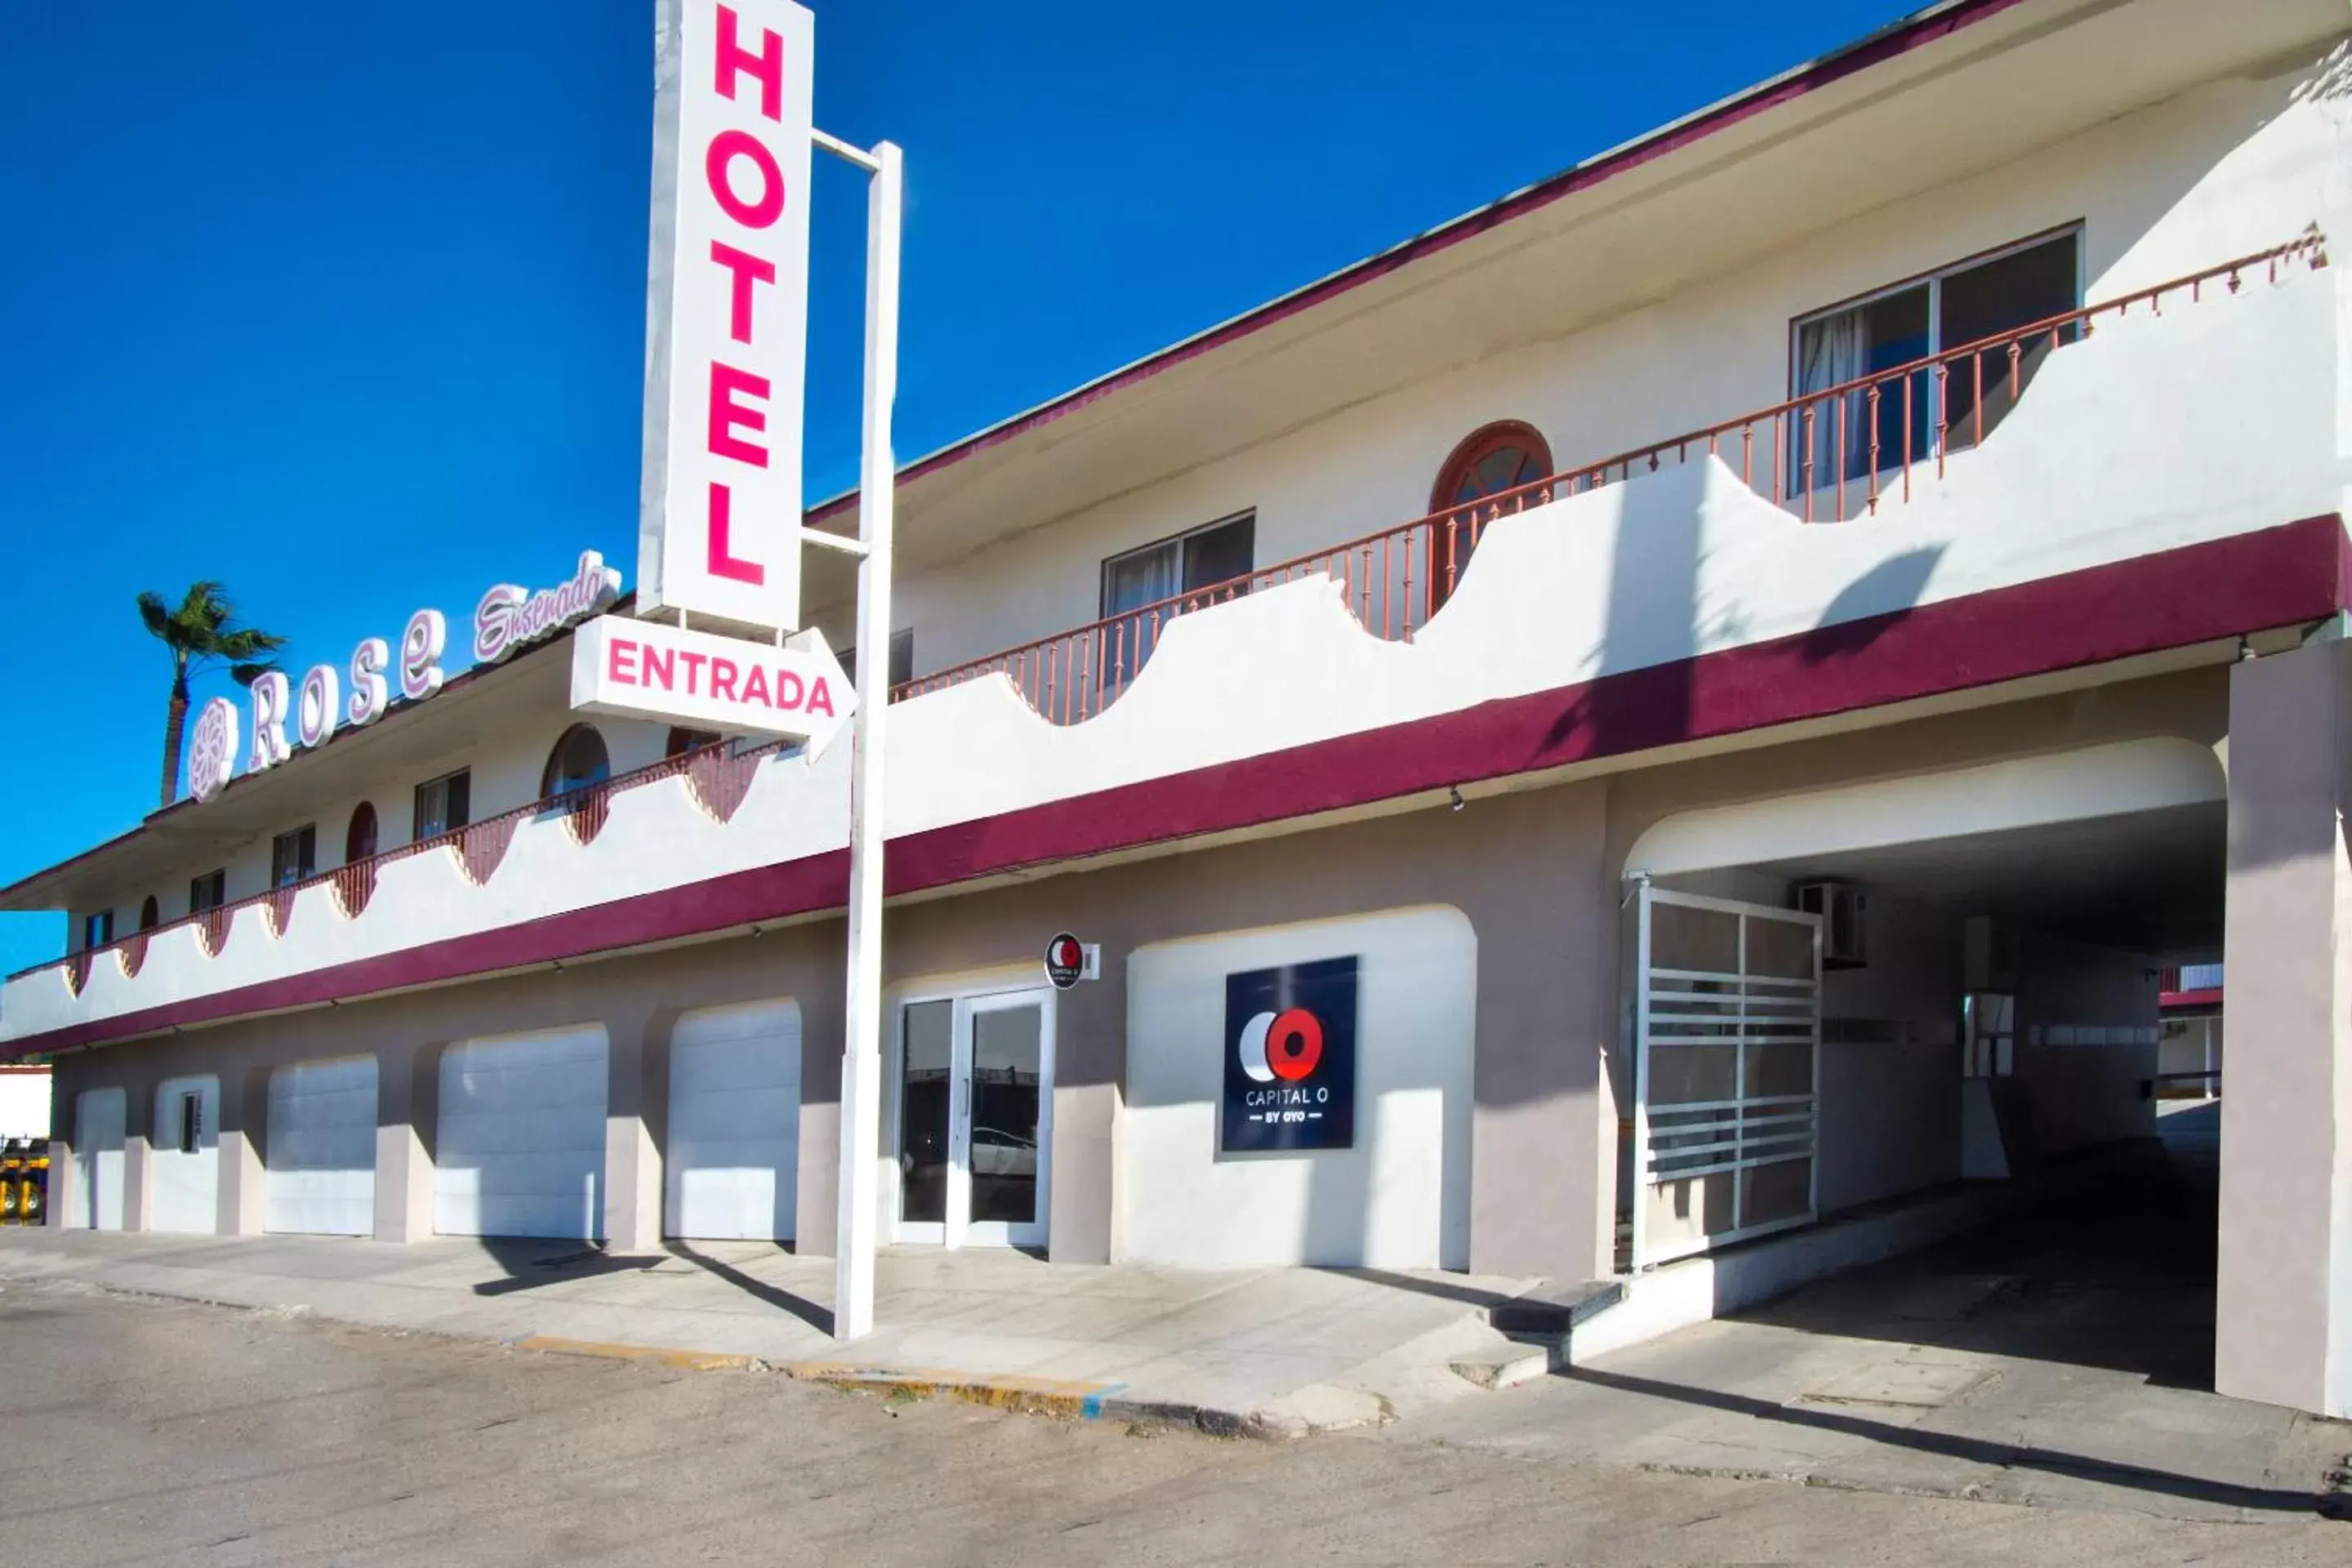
[644,669]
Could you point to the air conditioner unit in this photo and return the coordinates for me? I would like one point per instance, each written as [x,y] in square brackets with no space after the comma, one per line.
[1841,907]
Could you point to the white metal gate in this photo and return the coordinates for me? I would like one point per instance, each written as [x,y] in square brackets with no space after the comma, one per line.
[1727,1063]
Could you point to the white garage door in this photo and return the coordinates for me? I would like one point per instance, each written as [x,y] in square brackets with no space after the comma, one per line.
[322,1148]
[521,1145]
[186,1158]
[99,1115]
[734,1123]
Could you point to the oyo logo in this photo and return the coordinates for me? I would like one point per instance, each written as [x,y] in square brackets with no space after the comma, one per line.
[1284,1045]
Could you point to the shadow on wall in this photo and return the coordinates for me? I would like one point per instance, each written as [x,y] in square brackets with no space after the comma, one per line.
[1870,606]
[1649,632]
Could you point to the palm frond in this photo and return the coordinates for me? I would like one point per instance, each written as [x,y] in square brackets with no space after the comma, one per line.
[247,643]
[156,615]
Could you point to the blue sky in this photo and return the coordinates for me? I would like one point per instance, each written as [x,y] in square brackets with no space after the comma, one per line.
[345,304]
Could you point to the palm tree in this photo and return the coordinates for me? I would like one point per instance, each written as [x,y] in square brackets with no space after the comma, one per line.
[203,630]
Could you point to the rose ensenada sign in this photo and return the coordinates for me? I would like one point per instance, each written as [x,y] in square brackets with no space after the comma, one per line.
[509,617]
[727,311]
[506,618]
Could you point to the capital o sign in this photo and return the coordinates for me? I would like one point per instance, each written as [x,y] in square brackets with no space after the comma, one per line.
[1290,1059]
[718,512]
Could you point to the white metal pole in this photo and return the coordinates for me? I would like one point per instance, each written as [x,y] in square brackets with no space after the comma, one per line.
[861,1059]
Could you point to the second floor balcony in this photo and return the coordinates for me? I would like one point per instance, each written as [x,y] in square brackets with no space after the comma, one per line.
[2160,420]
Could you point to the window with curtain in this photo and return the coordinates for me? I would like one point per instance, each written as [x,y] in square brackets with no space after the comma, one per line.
[444,805]
[294,855]
[209,891]
[1991,297]
[1136,586]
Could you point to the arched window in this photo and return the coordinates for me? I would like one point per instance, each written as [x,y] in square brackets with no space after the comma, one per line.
[150,914]
[1490,460]
[359,839]
[578,760]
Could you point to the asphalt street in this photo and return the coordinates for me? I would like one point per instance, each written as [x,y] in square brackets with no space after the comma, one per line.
[144,1431]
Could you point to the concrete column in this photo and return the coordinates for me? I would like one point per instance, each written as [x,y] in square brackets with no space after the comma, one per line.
[65,1198]
[636,1105]
[407,1106]
[138,1151]
[817,1197]
[2283,1329]
[1543,1139]
[1090,1063]
[244,1134]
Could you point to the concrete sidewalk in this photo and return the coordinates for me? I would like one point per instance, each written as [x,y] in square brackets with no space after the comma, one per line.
[1271,1352]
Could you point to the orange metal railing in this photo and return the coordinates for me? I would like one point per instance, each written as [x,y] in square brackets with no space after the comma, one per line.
[1829,456]
[717,775]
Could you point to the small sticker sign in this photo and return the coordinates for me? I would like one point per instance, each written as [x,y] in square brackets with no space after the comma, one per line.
[1290,1058]
[1065,961]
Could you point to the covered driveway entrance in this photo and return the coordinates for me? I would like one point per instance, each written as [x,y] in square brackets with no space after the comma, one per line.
[1989,940]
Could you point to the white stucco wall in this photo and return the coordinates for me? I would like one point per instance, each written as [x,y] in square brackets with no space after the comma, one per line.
[185,1185]
[1890,1077]
[2230,168]
[1398,1199]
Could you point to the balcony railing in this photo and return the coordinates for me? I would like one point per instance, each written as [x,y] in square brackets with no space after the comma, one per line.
[718,775]
[1829,456]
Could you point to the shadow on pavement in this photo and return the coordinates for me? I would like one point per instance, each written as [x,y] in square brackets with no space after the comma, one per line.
[1444,1290]
[807,1312]
[530,1263]
[2079,1466]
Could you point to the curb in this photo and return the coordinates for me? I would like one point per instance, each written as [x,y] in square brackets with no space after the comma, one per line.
[1316,1409]
[1069,1400]
[685,1361]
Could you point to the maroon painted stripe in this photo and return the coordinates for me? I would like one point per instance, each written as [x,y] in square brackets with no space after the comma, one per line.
[2211,997]
[1859,55]
[2280,576]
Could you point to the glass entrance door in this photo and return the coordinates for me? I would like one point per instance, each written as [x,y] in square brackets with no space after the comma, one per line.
[974,1118]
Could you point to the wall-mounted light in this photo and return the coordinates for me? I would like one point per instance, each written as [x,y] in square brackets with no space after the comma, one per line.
[1454,794]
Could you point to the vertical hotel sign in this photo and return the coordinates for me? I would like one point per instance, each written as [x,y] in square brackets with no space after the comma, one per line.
[727,311]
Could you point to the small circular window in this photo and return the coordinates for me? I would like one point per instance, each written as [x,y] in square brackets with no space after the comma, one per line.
[359,838]
[578,762]
[1490,461]
[1498,458]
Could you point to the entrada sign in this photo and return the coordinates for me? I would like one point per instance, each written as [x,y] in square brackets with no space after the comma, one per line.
[1290,1058]
[649,669]
[508,617]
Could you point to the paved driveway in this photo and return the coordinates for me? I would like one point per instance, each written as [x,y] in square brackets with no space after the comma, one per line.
[2065,1356]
